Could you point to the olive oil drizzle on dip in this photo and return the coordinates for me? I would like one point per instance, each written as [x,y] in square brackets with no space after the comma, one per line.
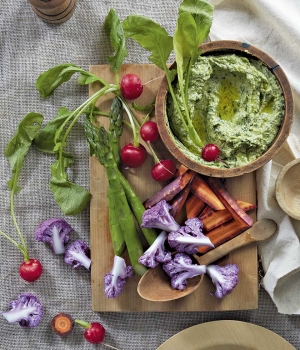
[236,103]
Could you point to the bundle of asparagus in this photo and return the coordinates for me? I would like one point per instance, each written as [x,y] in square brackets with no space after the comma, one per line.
[124,205]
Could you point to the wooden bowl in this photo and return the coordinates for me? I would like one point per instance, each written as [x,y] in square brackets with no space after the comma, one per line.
[288,189]
[225,46]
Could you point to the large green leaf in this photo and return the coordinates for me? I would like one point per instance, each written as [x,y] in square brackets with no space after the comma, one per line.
[151,36]
[71,197]
[114,30]
[18,147]
[51,79]
[185,44]
[202,12]
[45,139]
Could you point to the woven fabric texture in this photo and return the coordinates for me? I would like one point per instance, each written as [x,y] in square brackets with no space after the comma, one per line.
[30,46]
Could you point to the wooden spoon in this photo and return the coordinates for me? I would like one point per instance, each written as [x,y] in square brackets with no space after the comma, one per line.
[155,284]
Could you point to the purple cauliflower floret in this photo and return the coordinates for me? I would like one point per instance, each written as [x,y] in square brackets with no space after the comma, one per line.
[225,278]
[56,232]
[114,281]
[77,254]
[189,237]
[181,268]
[27,310]
[159,217]
[156,253]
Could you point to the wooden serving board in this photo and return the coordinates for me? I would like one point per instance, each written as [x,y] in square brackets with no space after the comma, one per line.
[244,296]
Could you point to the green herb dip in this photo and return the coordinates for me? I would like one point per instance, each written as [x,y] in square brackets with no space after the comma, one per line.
[234,102]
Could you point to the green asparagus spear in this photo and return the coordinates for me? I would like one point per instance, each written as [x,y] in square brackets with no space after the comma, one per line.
[137,208]
[101,142]
[116,231]
[116,127]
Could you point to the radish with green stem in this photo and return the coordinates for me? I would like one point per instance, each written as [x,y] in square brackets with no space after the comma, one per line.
[133,154]
[131,86]
[149,131]
[15,152]
[94,332]
[163,170]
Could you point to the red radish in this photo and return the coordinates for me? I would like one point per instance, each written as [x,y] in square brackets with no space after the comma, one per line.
[210,152]
[131,86]
[132,156]
[149,131]
[30,270]
[163,170]
[94,332]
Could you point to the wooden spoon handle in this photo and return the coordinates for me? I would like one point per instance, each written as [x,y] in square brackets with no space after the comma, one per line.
[245,238]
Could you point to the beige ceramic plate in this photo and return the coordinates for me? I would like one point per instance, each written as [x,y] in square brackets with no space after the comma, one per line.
[226,335]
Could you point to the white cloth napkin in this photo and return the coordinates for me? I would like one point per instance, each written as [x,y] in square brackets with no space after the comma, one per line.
[274,27]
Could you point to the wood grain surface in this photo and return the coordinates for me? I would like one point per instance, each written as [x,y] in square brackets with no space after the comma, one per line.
[245,295]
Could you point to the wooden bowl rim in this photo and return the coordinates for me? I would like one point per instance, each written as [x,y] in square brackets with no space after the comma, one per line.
[229,45]
[279,188]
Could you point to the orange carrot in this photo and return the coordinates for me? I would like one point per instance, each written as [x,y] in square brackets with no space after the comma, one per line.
[181,170]
[202,190]
[229,202]
[170,190]
[224,233]
[178,202]
[62,324]
[193,206]
[213,218]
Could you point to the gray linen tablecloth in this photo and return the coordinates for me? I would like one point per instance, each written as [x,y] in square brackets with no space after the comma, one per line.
[29,47]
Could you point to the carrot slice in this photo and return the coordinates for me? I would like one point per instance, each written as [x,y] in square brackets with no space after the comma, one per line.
[224,233]
[229,202]
[202,190]
[170,190]
[62,324]
[178,202]
[193,206]
[181,170]
[213,218]
[207,209]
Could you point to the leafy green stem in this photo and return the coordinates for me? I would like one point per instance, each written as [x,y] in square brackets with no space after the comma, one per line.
[133,123]
[174,98]
[155,158]
[147,116]
[187,79]
[78,112]
[10,239]
[24,247]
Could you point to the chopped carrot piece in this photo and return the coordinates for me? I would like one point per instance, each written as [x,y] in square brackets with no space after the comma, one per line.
[224,233]
[62,324]
[213,218]
[207,209]
[178,202]
[170,190]
[193,206]
[181,170]
[229,202]
[202,190]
